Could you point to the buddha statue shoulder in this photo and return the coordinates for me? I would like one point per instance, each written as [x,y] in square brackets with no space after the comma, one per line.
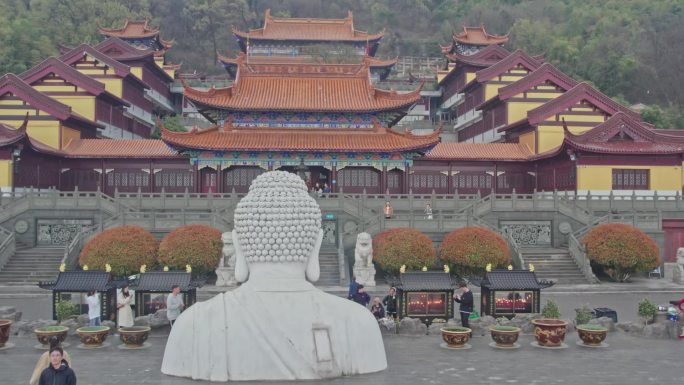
[276,325]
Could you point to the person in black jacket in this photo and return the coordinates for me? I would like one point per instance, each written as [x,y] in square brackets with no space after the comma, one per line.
[361,297]
[390,302]
[465,297]
[59,372]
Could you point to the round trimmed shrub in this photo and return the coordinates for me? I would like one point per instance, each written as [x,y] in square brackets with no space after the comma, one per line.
[196,245]
[470,249]
[621,250]
[125,248]
[403,246]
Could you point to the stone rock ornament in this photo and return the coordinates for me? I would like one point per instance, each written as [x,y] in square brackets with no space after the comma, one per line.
[225,273]
[276,325]
[364,271]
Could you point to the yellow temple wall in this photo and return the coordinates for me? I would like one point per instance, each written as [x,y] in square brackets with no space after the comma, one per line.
[82,105]
[137,71]
[469,77]
[518,110]
[491,90]
[5,175]
[46,132]
[551,137]
[583,118]
[115,86]
[528,140]
[69,134]
[601,177]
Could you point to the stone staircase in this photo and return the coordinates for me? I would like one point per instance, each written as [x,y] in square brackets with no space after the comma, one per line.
[554,264]
[330,270]
[29,265]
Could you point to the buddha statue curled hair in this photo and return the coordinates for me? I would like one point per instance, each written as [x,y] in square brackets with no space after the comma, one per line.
[277,221]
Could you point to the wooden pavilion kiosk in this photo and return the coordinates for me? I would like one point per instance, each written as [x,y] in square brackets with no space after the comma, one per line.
[152,288]
[506,293]
[426,295]
[74,286]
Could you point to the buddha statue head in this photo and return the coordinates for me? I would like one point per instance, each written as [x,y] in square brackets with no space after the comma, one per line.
[277,232]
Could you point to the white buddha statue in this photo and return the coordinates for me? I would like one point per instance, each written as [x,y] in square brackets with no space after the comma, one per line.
[276,325]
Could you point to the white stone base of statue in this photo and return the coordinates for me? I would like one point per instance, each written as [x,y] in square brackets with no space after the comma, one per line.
[365,275]
[225,276]
[275,325]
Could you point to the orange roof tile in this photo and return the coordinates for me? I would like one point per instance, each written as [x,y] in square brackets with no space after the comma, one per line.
[259,139]
[307,29]
[302,87]
[479,151]
[132,29]
[118,148]
[478,36]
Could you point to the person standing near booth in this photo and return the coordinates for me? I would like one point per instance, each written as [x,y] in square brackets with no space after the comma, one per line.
[124,314]
[93,300]
[465,297]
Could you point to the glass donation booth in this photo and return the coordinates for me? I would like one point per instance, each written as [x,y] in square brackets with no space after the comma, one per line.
[152,288]
[426,296]
[506,293]
[74,286]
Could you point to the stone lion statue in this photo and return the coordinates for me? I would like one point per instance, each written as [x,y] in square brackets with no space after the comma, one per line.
[363,254]
[678,271]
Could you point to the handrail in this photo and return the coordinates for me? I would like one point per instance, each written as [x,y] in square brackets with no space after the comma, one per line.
[579,254]
[516,252]
[7,246]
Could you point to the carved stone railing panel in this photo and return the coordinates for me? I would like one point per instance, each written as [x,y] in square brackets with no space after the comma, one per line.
[528,233]
[60,231]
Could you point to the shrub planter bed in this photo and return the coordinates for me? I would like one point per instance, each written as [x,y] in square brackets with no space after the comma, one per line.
[592,335]
[457,337]
[4,331]
[44,333]
[92,336]
[134,336]
[505,336]
[549,332]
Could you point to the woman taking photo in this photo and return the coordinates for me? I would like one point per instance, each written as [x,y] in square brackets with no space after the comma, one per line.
[124,314]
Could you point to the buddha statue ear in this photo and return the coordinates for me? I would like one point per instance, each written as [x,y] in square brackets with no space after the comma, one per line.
[241,268]
[313,268]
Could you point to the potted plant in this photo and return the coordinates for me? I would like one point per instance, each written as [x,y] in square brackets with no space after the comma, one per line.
[456,337]
[92,336]
[592,335]
[505,336]
[134,336]
[4,331]
[583,315]
[647,310]
[63,310]
[550,330]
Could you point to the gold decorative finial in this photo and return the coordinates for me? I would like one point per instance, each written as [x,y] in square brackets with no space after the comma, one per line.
[62,267]
[188,269]
[166,268]
[446,268]
[510,267]
[488,268]
[402,269]
[85,267]
[143,268]
[108,268]
[531,267]
[424,268]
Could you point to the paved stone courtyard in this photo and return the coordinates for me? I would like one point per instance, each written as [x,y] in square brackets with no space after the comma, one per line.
[412,360]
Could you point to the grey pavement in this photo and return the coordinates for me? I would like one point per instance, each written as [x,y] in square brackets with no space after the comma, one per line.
[412,360]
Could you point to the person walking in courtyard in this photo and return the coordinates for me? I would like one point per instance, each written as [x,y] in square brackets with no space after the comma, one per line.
[44,361]
[465,297]
[428,211]
[361,297]
[124,314]
[353,288]
[93,300]
[59,372]
[174,304]
[389,211]
[377,309]
[390,302]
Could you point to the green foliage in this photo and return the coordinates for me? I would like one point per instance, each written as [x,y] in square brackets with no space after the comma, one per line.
[647,309]
[583,315]
[65,310]
[171,122]
[551,310]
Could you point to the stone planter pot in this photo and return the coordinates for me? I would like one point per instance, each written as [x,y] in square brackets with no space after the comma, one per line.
[4,331]
[592,335]
[549,332]
[134,336]
[505,336]
[92,336]
[44,333]
[456,337]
